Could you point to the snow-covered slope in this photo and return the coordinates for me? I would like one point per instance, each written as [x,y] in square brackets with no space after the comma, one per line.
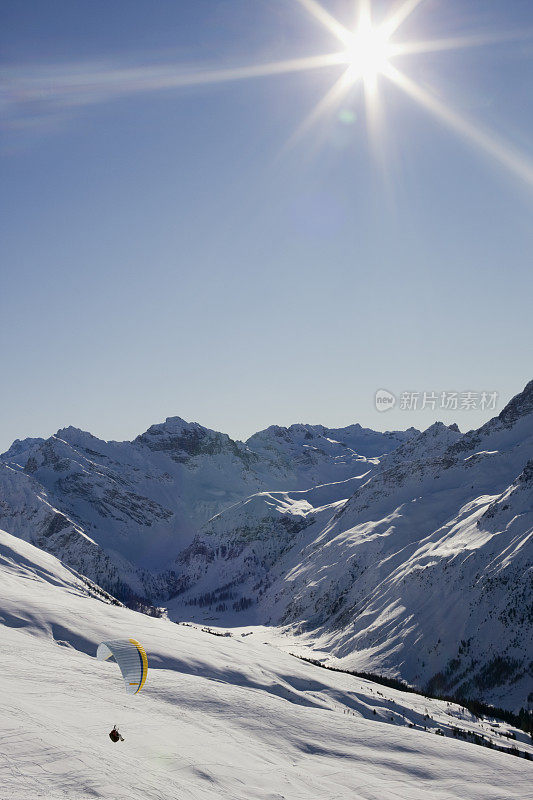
[425,572]
[26,510]
[218,716]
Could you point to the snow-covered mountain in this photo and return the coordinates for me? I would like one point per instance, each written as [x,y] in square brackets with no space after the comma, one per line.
[406,554]
[324,455]
[424,572]
[218,716]
[121,512]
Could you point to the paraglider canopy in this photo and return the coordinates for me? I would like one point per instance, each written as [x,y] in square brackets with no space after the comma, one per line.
[131,658]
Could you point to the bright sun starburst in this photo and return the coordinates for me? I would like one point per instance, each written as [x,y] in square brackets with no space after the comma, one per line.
[367,54]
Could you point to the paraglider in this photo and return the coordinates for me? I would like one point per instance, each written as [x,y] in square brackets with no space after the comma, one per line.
[131,658]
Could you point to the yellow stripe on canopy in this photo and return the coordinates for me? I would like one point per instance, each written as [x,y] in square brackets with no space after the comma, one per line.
[144,659]
[131,657]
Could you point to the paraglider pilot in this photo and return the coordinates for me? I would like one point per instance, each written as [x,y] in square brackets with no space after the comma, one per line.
[115,736]
[130,656]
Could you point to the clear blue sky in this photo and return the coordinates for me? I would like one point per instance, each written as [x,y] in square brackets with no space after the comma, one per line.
[165,253]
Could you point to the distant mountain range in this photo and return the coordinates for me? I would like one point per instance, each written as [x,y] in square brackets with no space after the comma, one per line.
[404,553]
[121,512]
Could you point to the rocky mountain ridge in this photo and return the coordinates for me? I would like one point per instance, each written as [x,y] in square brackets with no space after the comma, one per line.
[121,512]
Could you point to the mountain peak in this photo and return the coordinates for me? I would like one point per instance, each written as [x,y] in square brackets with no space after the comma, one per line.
[174,424]
[171,427]
[21,446]
[438,428]
[519,406]
[430,443]
[183,440]
[76,436]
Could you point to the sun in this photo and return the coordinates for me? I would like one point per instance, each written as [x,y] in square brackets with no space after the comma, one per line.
[368,55]
[369,52]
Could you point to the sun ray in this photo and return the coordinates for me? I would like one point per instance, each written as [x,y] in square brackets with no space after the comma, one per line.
[372,100]
[259,70]
[374,112]
[330,100]
[62,88]
[333,25]
[514,161]
[398,17]
[364,14]
[456,43]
